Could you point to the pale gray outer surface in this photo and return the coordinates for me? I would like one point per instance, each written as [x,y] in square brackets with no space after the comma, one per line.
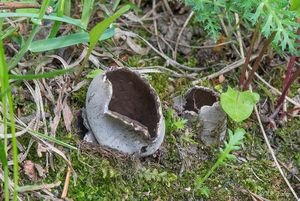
[214,124]
[210,121]
[113,132]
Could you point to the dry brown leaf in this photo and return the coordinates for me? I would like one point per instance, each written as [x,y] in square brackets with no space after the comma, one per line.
[136,48]
[41,171]
[67,115]
[220,49]
[57,112]
[30,170]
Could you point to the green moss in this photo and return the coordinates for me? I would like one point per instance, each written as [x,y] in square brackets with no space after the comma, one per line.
[78,97]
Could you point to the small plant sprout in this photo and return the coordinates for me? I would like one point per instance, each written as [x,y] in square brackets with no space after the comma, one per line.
[235,139]
[238,105]
[173,123]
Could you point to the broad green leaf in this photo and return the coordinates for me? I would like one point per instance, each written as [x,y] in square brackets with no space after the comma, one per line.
[94,73]
[65,41]
[295,6]
[238,105]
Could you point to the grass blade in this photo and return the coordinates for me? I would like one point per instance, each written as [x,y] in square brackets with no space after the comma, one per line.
[116,4]
[8,97]
[60,13]
[65,41]
[46,137]
[3,158]
[97,32]
[51,139]
[67,7]
[86,12]
[99,29]
[4,91]
[8,32]
[65,19]
[15,60]
[40,76]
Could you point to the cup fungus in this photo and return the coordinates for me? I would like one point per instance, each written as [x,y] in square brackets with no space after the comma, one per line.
[123,112]
[201,107]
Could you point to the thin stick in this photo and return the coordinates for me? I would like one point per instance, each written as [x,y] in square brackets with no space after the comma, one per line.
[155,26]
[168,59]
[224,70]
[17,5]
[38,187]
[180,34]
[67,182]
[273,154]
[276,91]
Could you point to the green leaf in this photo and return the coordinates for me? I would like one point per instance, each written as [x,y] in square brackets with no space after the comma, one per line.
[236,138]
[65,19]
[99,29]
[40,76]
[59,13]
[238,105]
[94,73]
[51,139]
[205,191]
[179,123]
[3,158]
[295,6]
[86,12]
[65,41]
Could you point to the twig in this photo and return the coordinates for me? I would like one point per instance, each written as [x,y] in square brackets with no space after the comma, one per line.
[17,5]
[276,91]
[253,195]
[282,164]
[273,154]
[23,189]
[67,182]
[226,69]
[168,59]
[180,34]
[168,8]
[155,25]
[201,47]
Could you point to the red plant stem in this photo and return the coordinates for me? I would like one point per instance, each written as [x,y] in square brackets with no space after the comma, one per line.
[257,61]
[247,60]
[287,86]
[289,71]
[288,80]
